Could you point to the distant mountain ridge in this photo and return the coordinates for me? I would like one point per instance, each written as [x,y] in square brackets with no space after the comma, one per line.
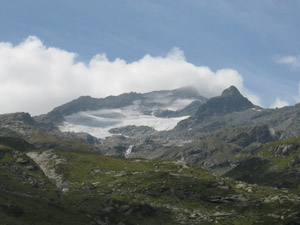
[87,103]
[205,115]
[232,109]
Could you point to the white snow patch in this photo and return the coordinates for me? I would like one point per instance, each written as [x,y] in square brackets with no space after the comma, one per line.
[255,109]
[128,151]
[98,123]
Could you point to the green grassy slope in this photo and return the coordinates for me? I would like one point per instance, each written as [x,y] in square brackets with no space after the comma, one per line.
[103,190]
[27,196]
[276,164]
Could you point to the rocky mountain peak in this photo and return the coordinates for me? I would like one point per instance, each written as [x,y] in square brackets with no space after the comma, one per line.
[11,118]
[231,100]
[216,108]
[231,91]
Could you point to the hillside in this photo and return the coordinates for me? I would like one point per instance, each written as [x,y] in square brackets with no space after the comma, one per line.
[275,164]
[62,187]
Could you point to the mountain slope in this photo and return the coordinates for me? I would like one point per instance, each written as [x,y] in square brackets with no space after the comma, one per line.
[63,187]
[219,151]
[42,135]
[51,177]
[27,196]
[275,164]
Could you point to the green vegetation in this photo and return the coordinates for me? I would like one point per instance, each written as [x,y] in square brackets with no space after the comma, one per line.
[27,196]
[275,164]
[89,188]
[45,140]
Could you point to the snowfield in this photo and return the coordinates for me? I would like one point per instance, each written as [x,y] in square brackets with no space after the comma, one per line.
[98,123]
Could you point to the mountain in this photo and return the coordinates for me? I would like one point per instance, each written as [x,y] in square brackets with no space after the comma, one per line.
[155,98]
[222,132]
[227,161]
[231,109]
[160,110]
[231,101]
[218,130]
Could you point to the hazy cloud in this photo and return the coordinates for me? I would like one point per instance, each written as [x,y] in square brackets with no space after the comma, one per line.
[293,61]
[279,103]
[297,97]
[36,78]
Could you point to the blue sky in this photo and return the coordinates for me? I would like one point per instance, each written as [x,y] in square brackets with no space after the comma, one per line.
[259,39]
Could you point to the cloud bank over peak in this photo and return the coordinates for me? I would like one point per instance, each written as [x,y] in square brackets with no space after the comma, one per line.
[36,78]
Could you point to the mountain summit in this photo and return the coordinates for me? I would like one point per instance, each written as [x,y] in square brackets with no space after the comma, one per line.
[231,91]
[212,112]
[230,101]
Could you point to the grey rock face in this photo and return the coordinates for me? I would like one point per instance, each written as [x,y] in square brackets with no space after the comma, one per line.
[230,101]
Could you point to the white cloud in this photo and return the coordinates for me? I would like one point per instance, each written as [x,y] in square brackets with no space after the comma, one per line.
[293,61]
[279,103]
[297,97]
[36,78]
